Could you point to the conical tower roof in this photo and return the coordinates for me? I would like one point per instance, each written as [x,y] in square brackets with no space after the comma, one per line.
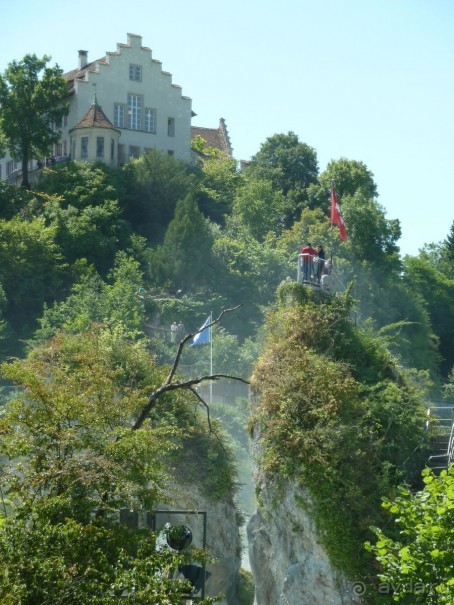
[95,118]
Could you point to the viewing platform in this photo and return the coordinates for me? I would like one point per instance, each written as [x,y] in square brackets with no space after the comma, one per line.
[315,271]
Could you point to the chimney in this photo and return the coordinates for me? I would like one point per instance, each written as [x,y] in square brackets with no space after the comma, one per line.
[82,58]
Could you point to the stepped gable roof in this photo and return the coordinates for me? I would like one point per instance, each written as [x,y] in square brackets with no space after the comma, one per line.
[95,118]
[218,138]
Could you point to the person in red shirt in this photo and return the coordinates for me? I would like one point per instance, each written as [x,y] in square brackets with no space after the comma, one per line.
[307,256]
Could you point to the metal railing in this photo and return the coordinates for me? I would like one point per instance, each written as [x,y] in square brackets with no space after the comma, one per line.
[442,426]
[450,452]
[316,271]
[311,269]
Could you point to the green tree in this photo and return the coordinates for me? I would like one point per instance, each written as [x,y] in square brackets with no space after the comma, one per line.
[437,293]
[448,389]
[15,201]
[417,560]
[184,260]
[248,273]
[441,255]
[70,460]
[31,107]
[348,177]
[155,183]
[113,303]
[83,184]
[290,165]
[220,180]
[81,202]
[31,268]
[93,233]
[372,237]
[262,208]
[438,256]
[449,243]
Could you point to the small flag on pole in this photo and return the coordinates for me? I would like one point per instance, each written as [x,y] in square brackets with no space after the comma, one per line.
[203,335]
[336,216]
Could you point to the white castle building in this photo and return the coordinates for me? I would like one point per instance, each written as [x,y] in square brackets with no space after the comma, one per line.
[121,106]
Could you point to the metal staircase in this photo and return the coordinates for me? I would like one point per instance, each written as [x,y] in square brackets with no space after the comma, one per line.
[440,425]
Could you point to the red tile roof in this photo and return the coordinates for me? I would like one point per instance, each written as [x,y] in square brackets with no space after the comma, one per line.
[95,117]
[79,74]
[218,138]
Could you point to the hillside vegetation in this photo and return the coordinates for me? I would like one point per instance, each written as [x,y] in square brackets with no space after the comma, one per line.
[337,414]
[95,265]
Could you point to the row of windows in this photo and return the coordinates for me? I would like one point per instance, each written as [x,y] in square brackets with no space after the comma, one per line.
[123,155]
[100,148]
[133,151]
[139,118]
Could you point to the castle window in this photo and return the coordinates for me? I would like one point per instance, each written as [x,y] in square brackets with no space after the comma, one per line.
[135,72]
[134,152]
[171,127]
[134,112]
[99,147]
[150,120]
[119,115]
[84,147]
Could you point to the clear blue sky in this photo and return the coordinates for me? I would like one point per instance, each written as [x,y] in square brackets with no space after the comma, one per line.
[369,80]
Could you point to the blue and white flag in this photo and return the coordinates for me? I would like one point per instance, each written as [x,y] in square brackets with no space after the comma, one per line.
[204,334]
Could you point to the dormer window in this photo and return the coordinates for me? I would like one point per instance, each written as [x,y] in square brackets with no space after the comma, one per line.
[135,72]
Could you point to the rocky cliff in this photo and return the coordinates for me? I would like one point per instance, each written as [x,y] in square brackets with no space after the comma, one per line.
[290,566]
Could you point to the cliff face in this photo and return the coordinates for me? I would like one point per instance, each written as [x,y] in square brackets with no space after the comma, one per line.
[289,565]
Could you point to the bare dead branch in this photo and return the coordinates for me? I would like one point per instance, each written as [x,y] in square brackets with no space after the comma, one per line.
[185,384]
[174,386]
[203,402]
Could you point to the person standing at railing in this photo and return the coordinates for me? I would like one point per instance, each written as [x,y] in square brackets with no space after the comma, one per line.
[307,257]
[320,258]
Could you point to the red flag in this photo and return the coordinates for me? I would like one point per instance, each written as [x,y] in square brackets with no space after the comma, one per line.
[336,216]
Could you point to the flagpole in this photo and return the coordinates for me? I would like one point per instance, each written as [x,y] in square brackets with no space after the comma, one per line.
[331,221]
[211,358]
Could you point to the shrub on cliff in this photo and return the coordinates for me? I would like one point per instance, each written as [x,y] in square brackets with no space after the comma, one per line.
[337,414]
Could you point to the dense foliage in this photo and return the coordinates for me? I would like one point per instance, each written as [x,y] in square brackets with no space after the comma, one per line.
[417,566]
[337,414]
[107,259]
[32,104]
[71,461]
